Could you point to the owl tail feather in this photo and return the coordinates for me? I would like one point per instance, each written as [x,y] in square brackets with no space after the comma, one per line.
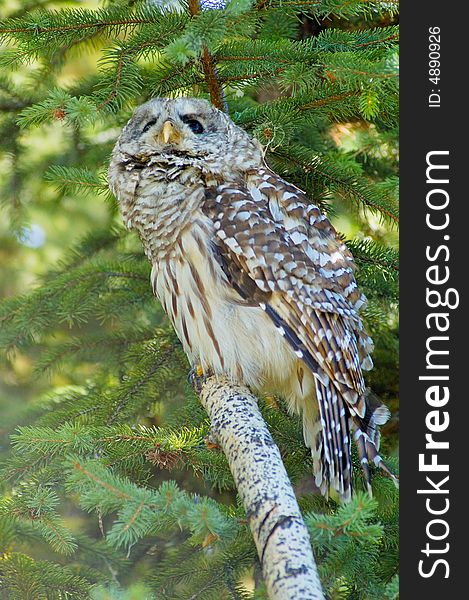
[329,434]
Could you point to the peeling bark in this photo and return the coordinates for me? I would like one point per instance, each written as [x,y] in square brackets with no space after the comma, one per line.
[281,537]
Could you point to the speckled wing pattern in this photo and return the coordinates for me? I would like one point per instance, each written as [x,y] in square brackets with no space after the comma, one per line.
[282,253]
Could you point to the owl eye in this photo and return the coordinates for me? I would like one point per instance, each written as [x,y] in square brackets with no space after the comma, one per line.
[148,125]
[193,124]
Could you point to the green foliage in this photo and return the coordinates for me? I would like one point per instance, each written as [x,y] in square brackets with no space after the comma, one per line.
[351,542]
[23,578]
[59,104]
[110,488]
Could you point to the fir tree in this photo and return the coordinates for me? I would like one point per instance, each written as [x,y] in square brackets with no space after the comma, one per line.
[110,488]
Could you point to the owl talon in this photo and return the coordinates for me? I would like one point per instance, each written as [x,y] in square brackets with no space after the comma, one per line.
[196,378]
[271,401]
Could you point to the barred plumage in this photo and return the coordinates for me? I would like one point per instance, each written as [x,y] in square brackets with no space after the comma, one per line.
[253,276]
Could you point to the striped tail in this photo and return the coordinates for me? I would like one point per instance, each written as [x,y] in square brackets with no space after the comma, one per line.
[329,436]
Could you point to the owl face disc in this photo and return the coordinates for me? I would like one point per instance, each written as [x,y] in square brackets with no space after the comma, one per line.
[189,131]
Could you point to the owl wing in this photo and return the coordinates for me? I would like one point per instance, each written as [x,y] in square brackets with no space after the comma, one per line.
[272,238]
[281,253]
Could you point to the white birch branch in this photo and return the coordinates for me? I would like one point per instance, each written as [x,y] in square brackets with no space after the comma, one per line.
[281,537]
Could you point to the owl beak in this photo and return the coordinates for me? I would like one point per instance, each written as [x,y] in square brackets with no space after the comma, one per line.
[169,133]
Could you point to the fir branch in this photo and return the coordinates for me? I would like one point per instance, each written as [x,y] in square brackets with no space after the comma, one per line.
[58,105]
[194,574]
[108,20]
[75,179]
[37,505]
[217,95]
[141,510]
[22,577]
[113,442]
[339,179]
[329,100]
[123,80]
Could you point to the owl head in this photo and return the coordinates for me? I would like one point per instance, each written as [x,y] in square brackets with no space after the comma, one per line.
[188,130]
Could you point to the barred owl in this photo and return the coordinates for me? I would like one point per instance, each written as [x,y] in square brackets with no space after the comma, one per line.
[256,281]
